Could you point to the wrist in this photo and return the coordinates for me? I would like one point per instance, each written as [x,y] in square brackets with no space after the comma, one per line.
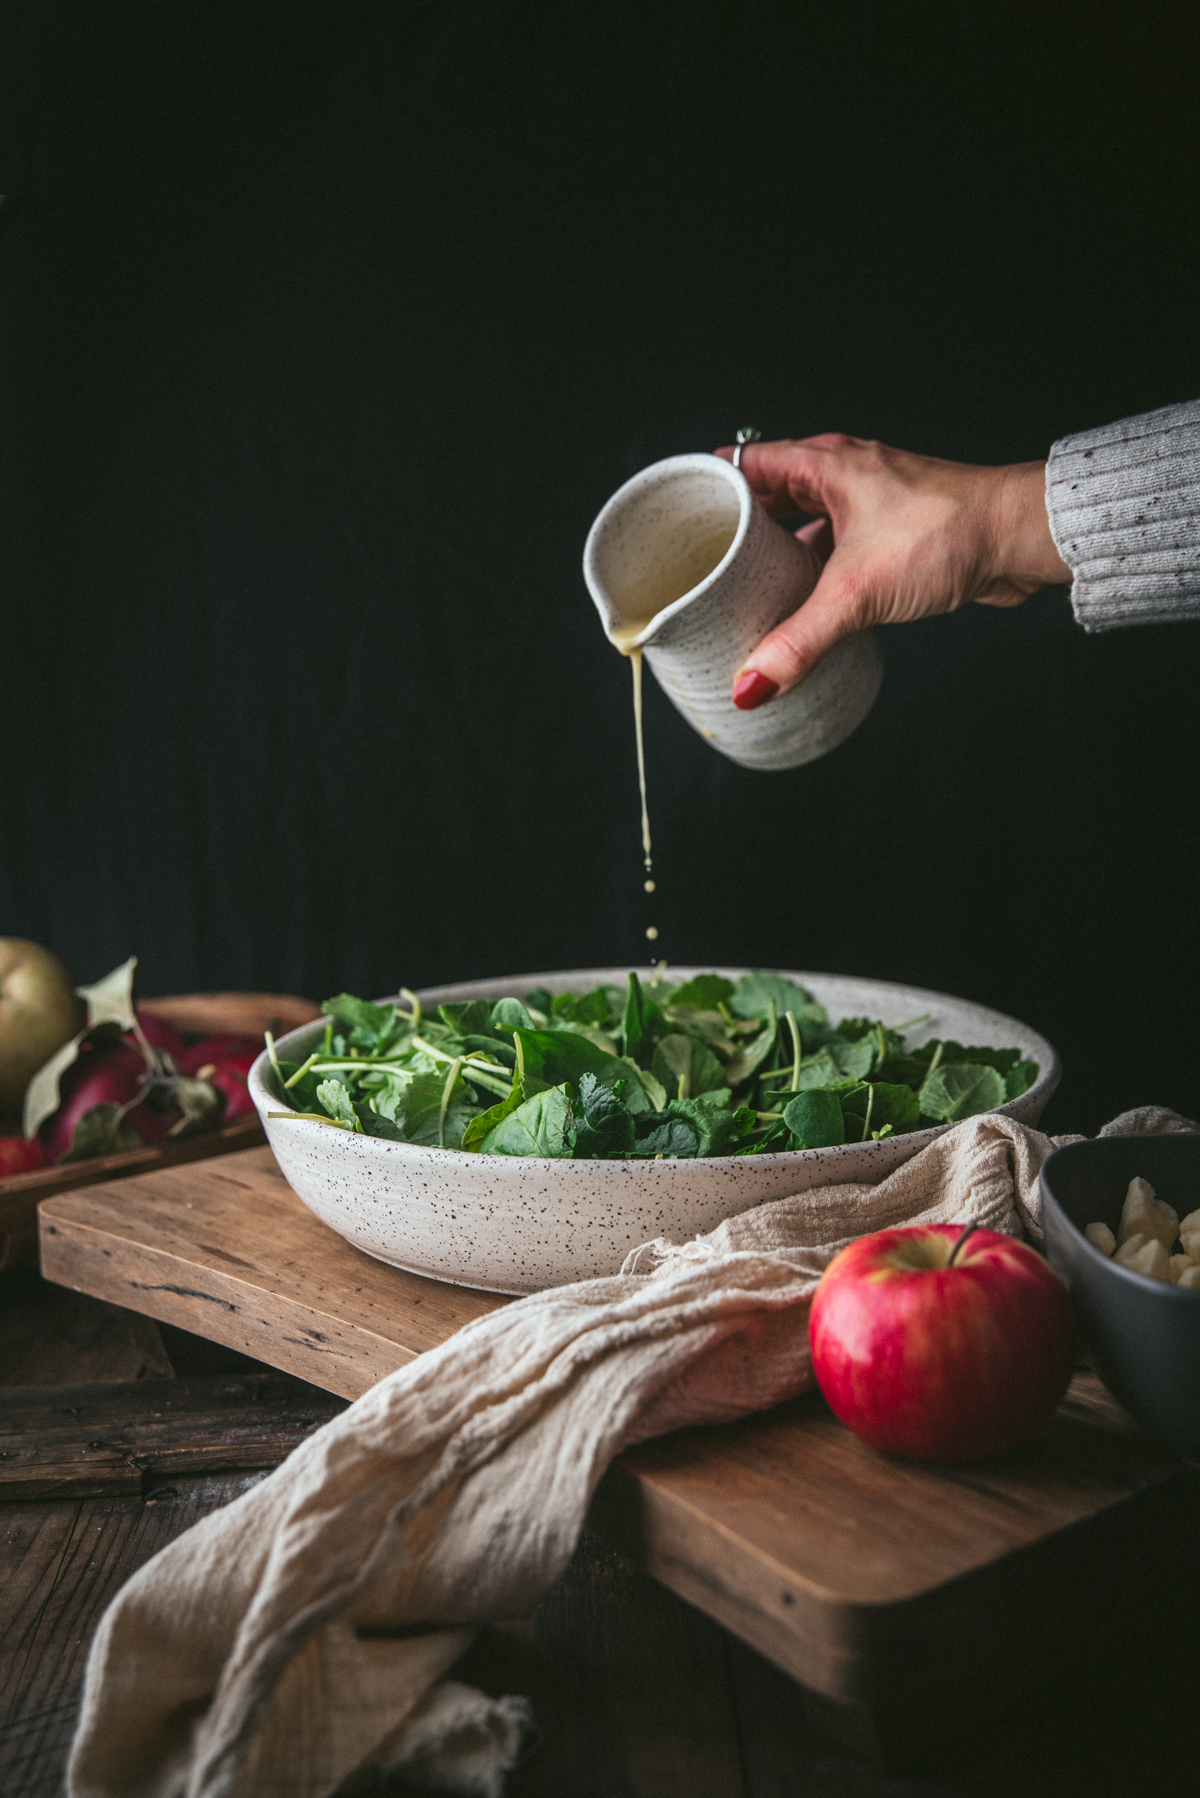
[1024,548]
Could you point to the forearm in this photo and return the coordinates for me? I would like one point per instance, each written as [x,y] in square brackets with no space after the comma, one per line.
[1025,551]
[1124,508]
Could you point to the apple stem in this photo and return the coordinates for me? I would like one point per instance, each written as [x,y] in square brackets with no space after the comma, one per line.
[969,1231]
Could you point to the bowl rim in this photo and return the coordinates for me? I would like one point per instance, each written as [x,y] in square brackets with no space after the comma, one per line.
[1142,1282]
[1049,1074]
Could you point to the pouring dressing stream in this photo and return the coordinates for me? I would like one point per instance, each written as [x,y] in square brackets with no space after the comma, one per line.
[639,606]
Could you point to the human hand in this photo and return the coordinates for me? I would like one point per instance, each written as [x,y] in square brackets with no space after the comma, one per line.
[901,536]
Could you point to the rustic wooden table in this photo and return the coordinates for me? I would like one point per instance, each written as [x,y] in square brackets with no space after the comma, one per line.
[120,1431]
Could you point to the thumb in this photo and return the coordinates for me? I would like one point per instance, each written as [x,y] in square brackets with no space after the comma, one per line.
[836,608]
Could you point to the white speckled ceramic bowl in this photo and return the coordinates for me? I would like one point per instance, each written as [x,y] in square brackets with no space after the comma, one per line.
[511,1224]
[648,546]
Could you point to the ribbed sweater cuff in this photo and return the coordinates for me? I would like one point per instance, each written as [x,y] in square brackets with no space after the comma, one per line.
[1124,506]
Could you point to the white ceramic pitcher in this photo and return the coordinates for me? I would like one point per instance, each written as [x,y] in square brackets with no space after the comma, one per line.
[683,552]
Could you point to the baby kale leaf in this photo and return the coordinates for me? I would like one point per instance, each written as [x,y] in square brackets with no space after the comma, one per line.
[754,993]
[605,1123]
[543,1125]
[961,1090]
[815,1119]
[552,1056]
[880,1106]
[367,1026]
[686,1067]
[1018,1080]
[704,992]
[642,1023]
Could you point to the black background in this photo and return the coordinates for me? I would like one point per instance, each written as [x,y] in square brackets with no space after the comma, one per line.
[329,327]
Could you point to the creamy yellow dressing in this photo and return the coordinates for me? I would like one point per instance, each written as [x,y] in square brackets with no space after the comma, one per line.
[640,604]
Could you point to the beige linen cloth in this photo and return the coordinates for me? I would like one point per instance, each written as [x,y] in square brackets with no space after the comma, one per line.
[300,1634]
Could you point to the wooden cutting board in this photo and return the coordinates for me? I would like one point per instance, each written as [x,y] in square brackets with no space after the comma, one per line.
[873,1581]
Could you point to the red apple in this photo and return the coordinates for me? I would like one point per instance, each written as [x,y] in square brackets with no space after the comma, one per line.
[18,1156]
[941,1343]
[39,1012]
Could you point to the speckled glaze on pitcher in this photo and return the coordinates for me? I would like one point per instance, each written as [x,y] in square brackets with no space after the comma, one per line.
[648,537]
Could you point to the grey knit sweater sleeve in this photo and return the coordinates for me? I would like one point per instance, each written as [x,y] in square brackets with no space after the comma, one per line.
[1124,505]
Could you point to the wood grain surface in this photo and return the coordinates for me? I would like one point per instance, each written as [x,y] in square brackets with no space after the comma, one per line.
[60,1563]
[90,1441]
[862,1576]
[230,1252]
[20,1194]
[49,1336]
[232,1014]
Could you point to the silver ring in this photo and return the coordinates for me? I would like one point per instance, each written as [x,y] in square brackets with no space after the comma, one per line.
[747,434]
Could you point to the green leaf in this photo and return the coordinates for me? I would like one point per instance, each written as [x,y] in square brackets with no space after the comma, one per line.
[101,1130]
[815,1120]
[888,1043]
[509,1014]
[540,1000]
[975,1056]
[690,1127]
[642,1023]
[481,1126]
[642,1092]
[679,1058]
[415,1109]
[360,1017]
[904,1069]
[495,1048]
[1018,1080]
[704,992]
[302,1096]
[749,1057]
[375,1125]
[592,1032]
[607,1125]
[836,1062]
[333,1097]
[469,1017]
[890,1105]
[592,1008]
[754,992]
[961,1090]
[542,1126]
[552,1056]
[675,1135]
[777,1137]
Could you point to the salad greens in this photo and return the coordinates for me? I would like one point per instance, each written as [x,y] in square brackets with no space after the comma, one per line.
[711,1067]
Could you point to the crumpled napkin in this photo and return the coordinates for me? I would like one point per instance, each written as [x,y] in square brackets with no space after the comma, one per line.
[298,1635]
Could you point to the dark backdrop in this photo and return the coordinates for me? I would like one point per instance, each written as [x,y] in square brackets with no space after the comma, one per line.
[328,328]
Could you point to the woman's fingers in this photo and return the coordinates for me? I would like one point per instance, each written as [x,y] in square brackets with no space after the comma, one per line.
[776,503]
[834,609]
[800,476]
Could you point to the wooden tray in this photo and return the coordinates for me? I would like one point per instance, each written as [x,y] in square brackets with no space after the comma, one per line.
[874,1582]
[199,1014]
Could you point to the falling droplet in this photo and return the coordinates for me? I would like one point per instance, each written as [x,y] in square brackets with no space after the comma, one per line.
[649,886]
[652,933]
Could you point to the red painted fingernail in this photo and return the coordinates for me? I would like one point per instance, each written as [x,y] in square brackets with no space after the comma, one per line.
[752,689]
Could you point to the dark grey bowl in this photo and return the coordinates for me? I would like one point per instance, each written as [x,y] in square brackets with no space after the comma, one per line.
[1144,1334]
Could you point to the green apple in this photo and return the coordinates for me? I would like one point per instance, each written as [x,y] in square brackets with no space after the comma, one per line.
[39,1012]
